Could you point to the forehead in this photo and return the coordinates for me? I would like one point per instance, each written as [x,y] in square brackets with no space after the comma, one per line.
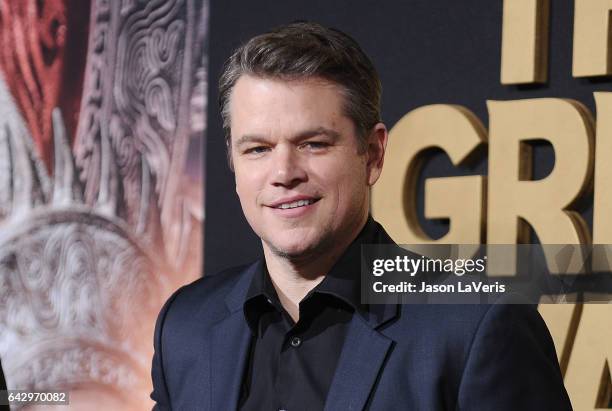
[271,103]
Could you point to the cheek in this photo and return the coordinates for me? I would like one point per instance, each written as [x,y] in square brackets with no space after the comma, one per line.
[350,186]
[247,186]
[248,173]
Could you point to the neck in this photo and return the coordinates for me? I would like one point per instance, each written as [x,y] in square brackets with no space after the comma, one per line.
[294,277]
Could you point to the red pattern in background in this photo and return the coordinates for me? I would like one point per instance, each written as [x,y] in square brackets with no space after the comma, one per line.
[43,47]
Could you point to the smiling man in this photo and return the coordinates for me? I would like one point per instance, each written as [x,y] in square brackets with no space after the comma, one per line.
[302,176]
[301,111]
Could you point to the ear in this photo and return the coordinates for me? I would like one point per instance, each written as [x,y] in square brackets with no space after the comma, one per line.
[377,144]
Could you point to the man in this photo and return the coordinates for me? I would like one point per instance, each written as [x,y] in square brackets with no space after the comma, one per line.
[301,109]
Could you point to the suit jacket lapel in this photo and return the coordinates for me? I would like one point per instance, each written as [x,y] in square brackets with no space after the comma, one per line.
[360,363]
[361,360]
[229,344]
[229,348]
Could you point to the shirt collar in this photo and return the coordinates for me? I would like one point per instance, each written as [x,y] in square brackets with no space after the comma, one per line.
[342,281]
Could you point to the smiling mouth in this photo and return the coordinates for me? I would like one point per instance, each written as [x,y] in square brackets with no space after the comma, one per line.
[296,204]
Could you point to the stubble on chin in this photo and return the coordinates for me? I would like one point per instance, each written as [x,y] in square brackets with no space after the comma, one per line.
[321,247]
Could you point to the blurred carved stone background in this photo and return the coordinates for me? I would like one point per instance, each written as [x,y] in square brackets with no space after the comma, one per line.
[102,117]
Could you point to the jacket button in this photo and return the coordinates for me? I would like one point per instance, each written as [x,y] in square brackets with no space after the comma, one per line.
[296,342]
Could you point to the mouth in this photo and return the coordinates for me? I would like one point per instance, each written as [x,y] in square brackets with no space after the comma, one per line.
[296,204]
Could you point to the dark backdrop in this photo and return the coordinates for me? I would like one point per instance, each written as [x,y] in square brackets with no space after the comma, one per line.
[426,52]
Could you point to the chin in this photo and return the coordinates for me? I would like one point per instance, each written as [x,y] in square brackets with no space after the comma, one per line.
[296,242]
[292,248]
[289,251]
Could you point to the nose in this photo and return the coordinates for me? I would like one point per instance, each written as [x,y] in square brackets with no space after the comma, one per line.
[288,170]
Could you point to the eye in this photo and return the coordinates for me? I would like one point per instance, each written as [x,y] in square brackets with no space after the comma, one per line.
[315,145]
[256,150]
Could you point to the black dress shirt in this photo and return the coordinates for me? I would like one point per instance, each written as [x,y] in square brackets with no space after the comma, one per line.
[291,365]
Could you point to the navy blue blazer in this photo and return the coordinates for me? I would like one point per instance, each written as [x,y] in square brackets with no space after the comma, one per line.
[396,357]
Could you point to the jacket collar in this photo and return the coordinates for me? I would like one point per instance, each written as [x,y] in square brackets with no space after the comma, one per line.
[361,361]
[346,269]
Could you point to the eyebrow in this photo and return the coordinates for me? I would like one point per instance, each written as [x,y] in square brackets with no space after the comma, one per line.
[249,138]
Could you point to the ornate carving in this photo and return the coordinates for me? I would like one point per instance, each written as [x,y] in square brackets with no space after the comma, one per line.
[77,290]
[115,227]
[42,45]
[71,277]
[138,100]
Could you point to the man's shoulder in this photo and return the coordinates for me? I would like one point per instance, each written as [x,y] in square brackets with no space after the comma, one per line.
[452,332]
[464,321]
[215,285]
[205,298]
[437,319]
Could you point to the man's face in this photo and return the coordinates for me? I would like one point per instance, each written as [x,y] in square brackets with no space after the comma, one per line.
[300,176]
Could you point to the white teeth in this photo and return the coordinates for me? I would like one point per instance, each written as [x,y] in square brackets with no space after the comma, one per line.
[295,204]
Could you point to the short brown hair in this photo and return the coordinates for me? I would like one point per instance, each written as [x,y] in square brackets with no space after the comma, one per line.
[302,50]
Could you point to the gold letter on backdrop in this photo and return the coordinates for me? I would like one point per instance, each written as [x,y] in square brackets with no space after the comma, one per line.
[458,132]
[524,56]
[587,378]
[591,38]
[602,202]
[545,203]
